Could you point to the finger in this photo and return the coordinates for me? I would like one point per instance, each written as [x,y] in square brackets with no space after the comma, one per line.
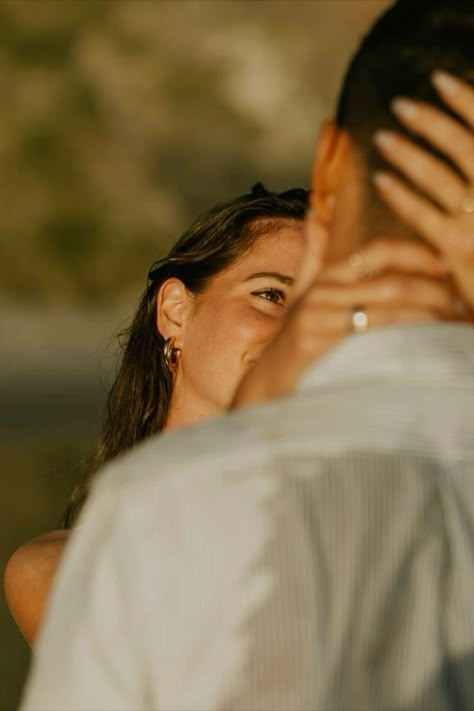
[425,171]
[377,316]
[385,255]
[456,93]
[323,322]
[392,290]
[442,131]
[420,215]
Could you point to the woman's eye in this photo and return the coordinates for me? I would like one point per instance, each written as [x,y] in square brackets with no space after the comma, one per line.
[274,295]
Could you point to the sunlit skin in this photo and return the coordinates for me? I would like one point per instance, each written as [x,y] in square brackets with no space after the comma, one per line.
[225,329]
[28,578]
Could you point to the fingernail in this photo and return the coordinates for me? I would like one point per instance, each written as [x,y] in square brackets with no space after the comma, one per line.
[382,180]
[445,82]
[384,139]
[404,108]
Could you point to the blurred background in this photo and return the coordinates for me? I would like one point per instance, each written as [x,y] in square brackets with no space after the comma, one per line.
[121,122]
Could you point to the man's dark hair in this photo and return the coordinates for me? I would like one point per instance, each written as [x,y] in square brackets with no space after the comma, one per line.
[396,58]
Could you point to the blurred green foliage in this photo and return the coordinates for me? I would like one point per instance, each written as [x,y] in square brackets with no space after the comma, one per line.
[122,120]
[109,141]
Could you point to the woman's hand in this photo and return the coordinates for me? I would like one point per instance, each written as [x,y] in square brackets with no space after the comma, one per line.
[445,217]
[395,281]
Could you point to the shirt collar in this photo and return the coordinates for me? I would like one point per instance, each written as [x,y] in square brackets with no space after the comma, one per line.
[420,352]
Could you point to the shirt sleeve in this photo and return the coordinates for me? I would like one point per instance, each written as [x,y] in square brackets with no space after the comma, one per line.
[87,655]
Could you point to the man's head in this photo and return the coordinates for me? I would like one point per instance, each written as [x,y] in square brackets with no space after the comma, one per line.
[396,58]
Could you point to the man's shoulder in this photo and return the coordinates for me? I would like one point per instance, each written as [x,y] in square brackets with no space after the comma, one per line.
[371,415]
[385,415]
[237,445]
[172,494]
[231,443]
[241,450]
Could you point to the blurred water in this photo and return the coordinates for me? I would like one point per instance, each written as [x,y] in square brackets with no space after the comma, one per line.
[45,405]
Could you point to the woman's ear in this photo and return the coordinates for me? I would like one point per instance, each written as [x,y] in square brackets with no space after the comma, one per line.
[328,167]
[172,307]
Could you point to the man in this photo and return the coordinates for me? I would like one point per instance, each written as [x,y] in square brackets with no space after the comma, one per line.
[316,552]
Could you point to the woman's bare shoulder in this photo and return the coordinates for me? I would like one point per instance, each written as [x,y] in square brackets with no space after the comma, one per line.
[36,555]
[28,577]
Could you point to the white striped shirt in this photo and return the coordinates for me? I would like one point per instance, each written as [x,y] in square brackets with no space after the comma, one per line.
[315,552]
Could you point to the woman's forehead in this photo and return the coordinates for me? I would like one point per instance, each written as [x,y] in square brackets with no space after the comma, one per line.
[283,242]
[280,251]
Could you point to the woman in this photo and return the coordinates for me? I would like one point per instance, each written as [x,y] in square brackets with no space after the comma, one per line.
[207,334]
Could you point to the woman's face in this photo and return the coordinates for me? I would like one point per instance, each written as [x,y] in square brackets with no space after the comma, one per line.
[231,322]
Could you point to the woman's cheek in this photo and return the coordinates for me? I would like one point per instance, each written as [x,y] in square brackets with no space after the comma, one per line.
[262,326]
[224,344]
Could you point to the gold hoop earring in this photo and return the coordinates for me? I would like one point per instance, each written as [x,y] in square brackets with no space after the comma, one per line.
[171,355]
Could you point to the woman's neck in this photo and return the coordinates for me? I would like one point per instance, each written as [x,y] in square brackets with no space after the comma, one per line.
[188,410]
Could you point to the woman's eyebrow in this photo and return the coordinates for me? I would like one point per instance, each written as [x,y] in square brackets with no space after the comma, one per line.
[284,278]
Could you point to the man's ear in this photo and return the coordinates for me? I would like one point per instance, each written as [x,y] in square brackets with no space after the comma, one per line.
[172,307]
[328,169]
